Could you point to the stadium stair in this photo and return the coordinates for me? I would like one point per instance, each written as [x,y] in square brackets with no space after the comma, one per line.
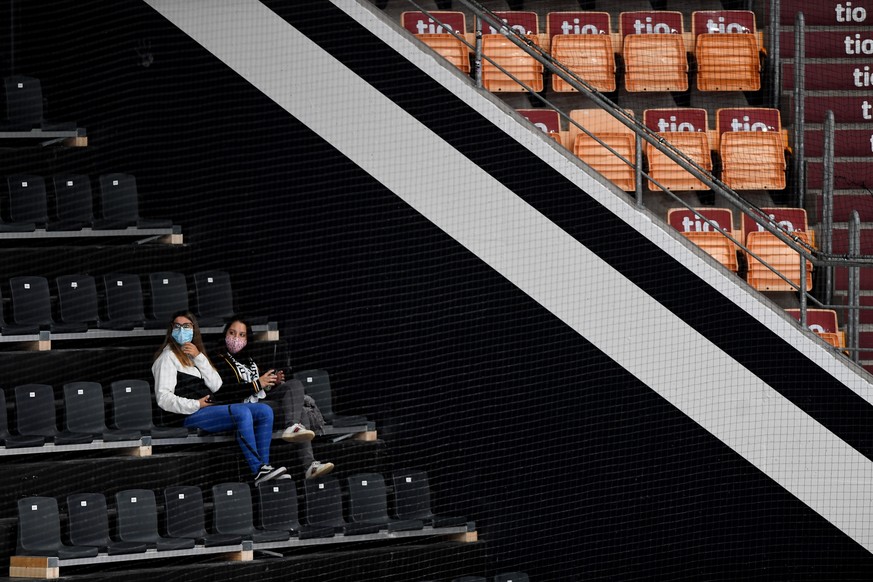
[836,81]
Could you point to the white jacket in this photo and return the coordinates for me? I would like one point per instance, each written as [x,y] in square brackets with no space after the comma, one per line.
[165,369]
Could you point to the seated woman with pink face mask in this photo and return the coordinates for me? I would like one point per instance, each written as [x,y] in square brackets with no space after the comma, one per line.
[242,378]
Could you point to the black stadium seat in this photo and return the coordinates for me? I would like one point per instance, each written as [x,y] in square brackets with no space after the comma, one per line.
[124,301]
[89,525]
[214,298]
[324,508]
[138,521]
[11,441]
[39,531]
[132,410]
[232,514]
[7,328]
[368,503]
[74,203]
[277,510]
[169,293]
[73,198]
[28,203]
[27,200]
[186,517]
[24,106]
[78,303]
[84,413]
[120,202]
[412,499]
[317,385]
[31,305]
[35,415]
[77,299]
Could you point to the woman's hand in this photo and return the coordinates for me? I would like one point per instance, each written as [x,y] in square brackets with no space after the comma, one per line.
[190,350]
[268,379]
[206,401]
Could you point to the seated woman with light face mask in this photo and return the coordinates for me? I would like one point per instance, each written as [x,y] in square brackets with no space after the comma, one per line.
[242,378]
[185,381]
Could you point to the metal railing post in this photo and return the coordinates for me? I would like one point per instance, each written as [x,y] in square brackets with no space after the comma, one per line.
[854,291]
[479,52]
[802,289]
[799,109]
[638,143]
[827,207]
[775,54]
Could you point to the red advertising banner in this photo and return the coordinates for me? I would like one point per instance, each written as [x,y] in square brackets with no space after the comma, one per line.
[677,119]
[578,23]
[650,22]
[421,23]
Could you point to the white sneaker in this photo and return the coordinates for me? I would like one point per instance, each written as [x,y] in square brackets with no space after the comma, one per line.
[318,469]
[296,433]
[267,473]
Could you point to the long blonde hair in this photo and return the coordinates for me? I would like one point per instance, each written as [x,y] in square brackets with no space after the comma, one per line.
[197,340]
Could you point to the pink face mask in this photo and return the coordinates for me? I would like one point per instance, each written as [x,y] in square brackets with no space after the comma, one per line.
[235,343]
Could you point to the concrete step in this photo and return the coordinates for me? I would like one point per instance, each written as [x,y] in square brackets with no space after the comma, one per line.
[843,14]
[840,74]
[847,42]
[847,106]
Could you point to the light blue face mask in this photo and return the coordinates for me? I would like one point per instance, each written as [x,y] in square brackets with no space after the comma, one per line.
[183,336]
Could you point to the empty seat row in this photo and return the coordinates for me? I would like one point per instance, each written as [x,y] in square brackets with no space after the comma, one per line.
[704,226]
[24,106]
[131,412]
[84,415]
[74,202]
[78,302]
[653,45]
[750,142]
[272,517]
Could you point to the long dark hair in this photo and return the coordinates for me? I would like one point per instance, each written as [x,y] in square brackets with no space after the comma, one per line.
[197,340]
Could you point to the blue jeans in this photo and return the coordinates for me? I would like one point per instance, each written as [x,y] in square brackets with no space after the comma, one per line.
[253,424]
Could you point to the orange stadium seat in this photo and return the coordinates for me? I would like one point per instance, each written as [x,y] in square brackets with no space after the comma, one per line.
[752,160]
[727,62]
[686,129]
[780,257]
[702,234]
[514,60]
[718,246]
[435,30]
[726,49]
[505,53]
[613,133]
[653,47]
[591,57]
[752,148]
[671,175]
[655,62]
[824,323]
[450,48]
[836,339]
